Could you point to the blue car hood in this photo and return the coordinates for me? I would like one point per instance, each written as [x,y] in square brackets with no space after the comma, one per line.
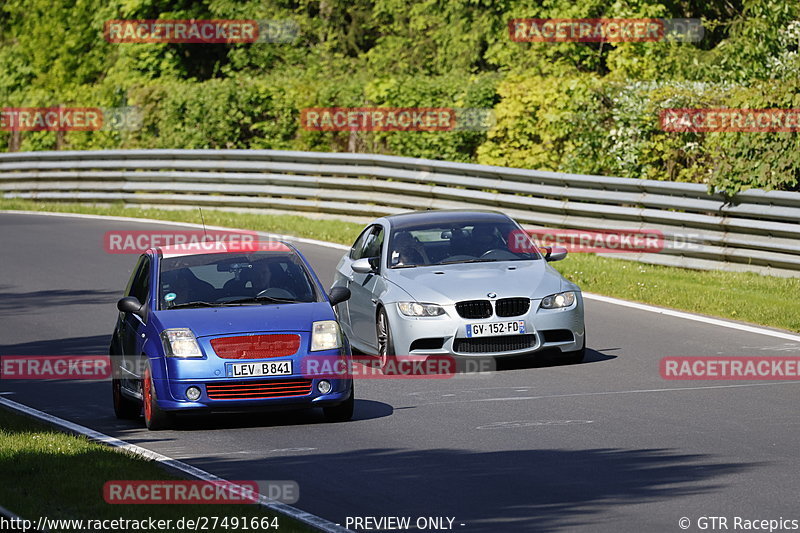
[211,321]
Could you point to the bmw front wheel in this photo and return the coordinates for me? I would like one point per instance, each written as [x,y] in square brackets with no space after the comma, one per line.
[385,344]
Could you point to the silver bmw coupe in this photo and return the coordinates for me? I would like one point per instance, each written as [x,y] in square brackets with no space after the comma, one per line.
[458,283]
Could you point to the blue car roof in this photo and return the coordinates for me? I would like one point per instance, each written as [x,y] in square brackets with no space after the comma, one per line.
[219,247]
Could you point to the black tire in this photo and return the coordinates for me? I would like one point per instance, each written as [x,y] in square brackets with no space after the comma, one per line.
[385,344]
[155,418]
[124,408]
[342,412]
[573,358]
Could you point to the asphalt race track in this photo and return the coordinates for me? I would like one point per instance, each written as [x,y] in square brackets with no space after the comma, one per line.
[606,445]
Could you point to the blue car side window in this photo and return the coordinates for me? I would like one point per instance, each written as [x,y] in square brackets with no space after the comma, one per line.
[141,284]
[134,275]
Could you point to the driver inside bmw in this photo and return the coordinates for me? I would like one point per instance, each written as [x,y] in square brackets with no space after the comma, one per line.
[405,250]
[484,239]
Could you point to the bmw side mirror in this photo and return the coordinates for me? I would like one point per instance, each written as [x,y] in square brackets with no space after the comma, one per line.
[362,266]
[553,253]
[130,304]
[338,295]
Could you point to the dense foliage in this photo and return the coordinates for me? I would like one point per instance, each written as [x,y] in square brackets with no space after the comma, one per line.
[578,107]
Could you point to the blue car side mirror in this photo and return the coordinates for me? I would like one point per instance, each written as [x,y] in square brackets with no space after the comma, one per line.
[339,295]
[131,304]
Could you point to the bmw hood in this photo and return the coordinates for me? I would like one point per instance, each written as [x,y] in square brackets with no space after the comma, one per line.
[474,281]
[208,321]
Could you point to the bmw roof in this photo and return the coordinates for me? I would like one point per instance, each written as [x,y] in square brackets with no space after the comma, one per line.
[444,217]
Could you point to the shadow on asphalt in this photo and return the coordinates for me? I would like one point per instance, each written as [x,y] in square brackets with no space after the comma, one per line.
[519,490]
[26,302]
[364,410]
[545,358]
[96,345]
[549,358]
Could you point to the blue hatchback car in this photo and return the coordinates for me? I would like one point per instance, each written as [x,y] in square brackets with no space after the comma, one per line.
[223,327]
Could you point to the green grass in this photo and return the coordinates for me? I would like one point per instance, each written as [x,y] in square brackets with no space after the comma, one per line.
[57,475]
[747,297]
[744,296]
[299,226]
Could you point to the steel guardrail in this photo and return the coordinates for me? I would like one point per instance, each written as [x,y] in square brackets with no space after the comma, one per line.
[756,230]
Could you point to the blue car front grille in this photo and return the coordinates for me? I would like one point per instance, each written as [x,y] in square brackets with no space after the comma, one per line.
[258,389]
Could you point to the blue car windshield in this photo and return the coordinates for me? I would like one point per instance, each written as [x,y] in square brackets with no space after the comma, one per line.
[260,277]
[462,243]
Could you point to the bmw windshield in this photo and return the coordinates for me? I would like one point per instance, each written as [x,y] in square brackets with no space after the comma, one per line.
[445,244]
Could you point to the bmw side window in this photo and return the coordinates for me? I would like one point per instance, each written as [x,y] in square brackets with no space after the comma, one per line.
[374,243]
[357,252]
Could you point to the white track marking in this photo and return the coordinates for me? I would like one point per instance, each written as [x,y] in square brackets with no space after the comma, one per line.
[515,387]
[292,238]
[785,347]
[697,318]
[174,464]
[532,423]
[609,393]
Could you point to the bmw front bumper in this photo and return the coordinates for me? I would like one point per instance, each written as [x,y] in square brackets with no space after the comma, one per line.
[561,329]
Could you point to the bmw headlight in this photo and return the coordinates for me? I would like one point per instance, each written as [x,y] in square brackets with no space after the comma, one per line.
[325,335]
[180,342]
[556,301]
[418,309]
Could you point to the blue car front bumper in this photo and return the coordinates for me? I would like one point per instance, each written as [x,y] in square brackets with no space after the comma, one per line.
[219,391]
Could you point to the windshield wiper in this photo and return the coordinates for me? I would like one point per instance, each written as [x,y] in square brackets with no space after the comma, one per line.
[256,299]
[195,304]
[468,261]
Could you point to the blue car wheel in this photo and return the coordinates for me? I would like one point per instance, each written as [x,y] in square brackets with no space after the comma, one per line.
[124,408]
[154,417]
[342,412]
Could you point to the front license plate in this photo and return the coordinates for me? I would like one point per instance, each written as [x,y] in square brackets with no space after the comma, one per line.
[269,368]
[489,329]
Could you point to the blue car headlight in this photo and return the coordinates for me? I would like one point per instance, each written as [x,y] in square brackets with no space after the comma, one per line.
[556,301]
[180,342]
[325,335]
[418,309]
